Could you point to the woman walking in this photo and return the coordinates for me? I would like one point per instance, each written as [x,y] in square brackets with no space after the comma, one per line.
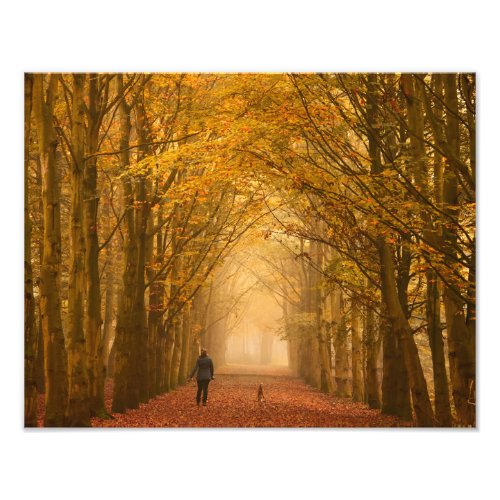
[205,368]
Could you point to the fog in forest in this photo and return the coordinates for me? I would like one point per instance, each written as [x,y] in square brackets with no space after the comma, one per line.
[250,309]
[254,338]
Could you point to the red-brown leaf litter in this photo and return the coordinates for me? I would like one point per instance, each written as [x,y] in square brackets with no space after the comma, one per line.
[232,402]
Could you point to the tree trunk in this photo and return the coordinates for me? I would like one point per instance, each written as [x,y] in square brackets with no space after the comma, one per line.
[433,314]
[40,370]
[169,344]
[404,335]
[403,399]
[390,373]
[124,395]
[78,407]
[140,375]
[372,396]
[461,333]
[325,375]
[93,320]
[357,353]
[340,347]
[186,345]
[156,341]
[109,290]
[108,314]
[30,330]
[173,330]
[56,363]
[177,350]
[156,305]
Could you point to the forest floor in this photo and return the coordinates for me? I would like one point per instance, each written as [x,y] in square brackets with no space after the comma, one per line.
[232,402]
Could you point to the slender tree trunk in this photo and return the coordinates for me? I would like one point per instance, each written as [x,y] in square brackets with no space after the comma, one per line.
[169,343]
[372,352]
[109,289]
[186,345]
[140,335]
[40,370]
[157,340]
[389,377]
[340,347]
[108,313]
[30,330]
[172,328]
[402,380]
[56,363]
[433,314]
[198,319]
[150,383]
[291,351]
[93,319]
[403,395]
[124,395]
[111,361]
[309,367]
[326,378]
[357,353]
[177,350]
[461,334]
[78,408]
[153,346]
[156,305]
[142,216]
[160,358]
[315,362]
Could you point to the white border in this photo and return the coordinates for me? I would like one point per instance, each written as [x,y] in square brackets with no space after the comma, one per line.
[248,36]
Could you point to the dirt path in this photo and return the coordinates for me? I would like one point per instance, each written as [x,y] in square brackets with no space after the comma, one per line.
[232,402]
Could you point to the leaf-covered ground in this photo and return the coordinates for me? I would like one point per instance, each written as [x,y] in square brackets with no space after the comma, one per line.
[232,402]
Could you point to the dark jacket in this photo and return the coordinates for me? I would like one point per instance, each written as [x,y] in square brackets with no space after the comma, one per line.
[205,369]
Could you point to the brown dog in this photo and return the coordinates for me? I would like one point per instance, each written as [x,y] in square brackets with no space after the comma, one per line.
[260,394]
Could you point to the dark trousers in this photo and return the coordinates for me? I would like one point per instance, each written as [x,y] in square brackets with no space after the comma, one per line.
[202,386]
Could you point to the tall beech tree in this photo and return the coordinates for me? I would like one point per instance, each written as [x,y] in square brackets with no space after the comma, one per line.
[97,90]
[30,331]
[56,363]
[125,395]
[79,409]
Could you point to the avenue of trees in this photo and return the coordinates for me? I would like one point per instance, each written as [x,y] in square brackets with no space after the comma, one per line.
[350,198]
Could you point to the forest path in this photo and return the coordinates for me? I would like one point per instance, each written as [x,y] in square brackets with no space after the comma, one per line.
[232,402]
